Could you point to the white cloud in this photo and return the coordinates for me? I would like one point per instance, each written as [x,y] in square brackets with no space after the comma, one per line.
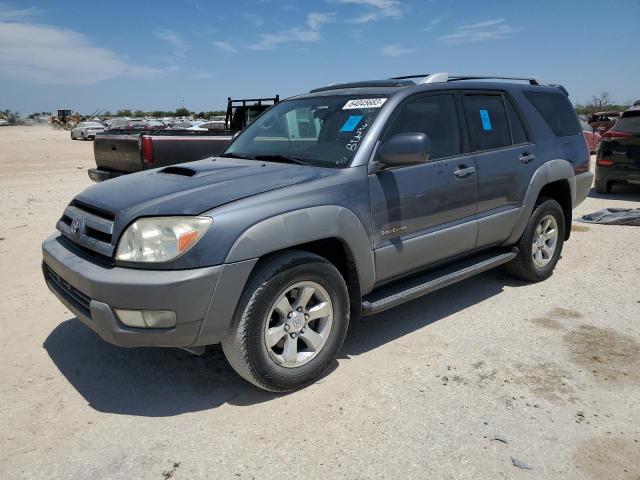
[8,13]
[51,55]
[178,45]
[379,9]
[315,20]
[495,29]
[433,23]
[203,76]
[270,41]
[307,34]
[395,50]
[225,46]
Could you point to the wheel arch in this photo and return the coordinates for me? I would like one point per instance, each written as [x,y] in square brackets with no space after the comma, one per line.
[331,231]
[554,179]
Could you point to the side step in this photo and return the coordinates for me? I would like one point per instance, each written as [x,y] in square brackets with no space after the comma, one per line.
[391,296]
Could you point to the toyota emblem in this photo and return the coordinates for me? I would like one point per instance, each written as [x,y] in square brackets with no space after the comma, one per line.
[75,227]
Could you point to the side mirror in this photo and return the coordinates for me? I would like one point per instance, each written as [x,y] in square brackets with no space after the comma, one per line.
[405,149]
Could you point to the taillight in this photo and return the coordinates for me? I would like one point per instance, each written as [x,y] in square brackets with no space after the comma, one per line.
[614,134]
[146,150]
[604,162]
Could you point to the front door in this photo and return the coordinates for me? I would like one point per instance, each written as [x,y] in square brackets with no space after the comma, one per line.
[424,213]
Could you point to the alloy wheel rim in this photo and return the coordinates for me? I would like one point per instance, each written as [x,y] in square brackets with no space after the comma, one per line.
[545,240]
[298,324]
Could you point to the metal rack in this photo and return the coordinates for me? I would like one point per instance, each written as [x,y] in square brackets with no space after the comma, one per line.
[444,77]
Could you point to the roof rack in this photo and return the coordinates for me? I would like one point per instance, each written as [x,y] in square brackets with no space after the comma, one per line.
[443,77]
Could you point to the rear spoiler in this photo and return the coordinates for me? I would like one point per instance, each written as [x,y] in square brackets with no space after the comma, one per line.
[561,88]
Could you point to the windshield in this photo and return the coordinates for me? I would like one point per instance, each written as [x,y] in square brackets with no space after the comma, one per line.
[318,131]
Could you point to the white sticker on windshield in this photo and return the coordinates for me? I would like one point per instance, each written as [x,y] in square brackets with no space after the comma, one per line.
[364,103]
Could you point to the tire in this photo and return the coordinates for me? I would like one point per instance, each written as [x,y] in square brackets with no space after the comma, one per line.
[82,137]
[602,186]
[527,265]
[259,312]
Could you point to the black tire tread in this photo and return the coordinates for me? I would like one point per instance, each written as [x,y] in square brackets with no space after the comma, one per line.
[235,344]
[522,266]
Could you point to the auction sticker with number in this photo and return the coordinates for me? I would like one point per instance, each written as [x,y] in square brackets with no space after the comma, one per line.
[364,103]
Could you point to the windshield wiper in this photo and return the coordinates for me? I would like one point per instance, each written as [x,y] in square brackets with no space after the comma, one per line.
[235,155]
[281,158]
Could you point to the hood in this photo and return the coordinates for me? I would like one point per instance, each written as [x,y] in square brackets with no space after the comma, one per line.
[192,188]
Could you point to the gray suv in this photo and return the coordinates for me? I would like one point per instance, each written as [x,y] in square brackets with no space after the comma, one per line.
[342,202]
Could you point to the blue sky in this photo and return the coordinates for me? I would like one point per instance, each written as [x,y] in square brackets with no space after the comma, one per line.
[149,55]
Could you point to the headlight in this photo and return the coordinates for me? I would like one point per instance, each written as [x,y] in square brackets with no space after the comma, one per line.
[160,239]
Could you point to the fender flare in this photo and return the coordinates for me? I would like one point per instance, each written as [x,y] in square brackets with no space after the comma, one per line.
[307,225]
[551,171]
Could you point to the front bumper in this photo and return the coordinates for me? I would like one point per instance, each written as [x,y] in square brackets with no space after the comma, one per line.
[92,292]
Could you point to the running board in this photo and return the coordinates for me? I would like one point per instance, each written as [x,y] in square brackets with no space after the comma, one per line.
[391,296]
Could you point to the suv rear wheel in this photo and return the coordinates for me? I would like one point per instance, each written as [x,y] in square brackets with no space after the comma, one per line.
[290,324]
[603,186]
[541,243]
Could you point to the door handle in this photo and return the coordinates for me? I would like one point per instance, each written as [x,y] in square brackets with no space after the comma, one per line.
[464,171]
[526,158]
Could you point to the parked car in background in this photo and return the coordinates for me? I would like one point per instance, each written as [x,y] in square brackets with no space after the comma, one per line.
[136,124]
[602,121]
[209,125]
[618,159]
[120,151]
[592,138]
[87,130]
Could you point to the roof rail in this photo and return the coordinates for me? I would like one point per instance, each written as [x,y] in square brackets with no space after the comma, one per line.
[443,77]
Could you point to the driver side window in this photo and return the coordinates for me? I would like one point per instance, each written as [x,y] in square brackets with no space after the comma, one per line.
[434,115]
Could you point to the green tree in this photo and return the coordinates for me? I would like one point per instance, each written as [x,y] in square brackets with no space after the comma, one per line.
[139,113]
[125,112]
[182,112]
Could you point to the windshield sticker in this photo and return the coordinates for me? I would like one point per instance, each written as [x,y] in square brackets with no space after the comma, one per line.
[352,145]
[486,121]
[364,103]
[351,123]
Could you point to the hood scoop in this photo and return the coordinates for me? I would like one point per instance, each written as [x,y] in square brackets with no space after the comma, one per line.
[174,170]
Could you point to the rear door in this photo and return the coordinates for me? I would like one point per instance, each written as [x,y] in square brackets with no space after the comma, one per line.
[505,159]
[423,214]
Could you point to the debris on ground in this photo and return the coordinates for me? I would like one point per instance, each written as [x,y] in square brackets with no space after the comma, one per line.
[614,216]
[520,464]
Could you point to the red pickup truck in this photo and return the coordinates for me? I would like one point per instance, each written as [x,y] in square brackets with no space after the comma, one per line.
[121,151]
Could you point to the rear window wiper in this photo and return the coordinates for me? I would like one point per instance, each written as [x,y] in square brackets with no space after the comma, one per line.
[281,158]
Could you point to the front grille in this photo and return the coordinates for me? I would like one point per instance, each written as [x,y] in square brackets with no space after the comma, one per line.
[65,289]
[90,228]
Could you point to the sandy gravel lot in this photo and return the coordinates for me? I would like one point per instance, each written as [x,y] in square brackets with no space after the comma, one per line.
[461,384]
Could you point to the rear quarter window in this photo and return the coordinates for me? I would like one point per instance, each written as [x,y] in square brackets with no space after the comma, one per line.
[556,111]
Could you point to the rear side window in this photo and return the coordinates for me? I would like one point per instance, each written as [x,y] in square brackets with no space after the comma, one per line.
[434,115]
[488,121]
[556,111]
[518,133]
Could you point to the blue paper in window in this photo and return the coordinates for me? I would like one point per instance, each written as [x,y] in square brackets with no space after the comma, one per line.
[486,121]
[351,123]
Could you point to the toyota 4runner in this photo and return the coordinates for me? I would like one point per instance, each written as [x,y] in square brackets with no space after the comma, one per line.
[342,202]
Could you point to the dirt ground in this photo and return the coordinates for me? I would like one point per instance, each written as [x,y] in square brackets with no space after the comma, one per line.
[487,379]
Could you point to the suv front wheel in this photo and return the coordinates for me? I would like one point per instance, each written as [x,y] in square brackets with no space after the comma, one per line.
[541,243]
[291,322]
